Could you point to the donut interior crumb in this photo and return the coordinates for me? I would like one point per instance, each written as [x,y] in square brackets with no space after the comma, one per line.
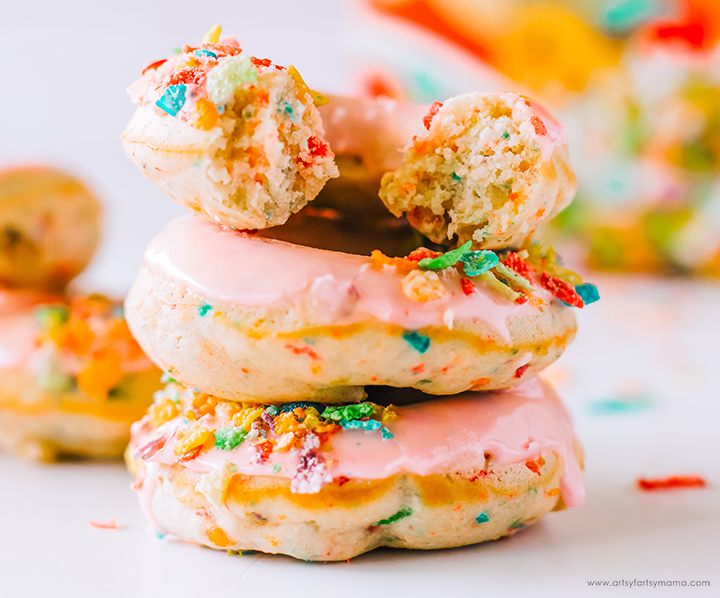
[468,175]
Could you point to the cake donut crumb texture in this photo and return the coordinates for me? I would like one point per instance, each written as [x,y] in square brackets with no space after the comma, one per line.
[491,168]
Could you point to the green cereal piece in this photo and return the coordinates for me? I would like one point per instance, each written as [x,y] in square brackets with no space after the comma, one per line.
[446,259]
[229,438]
[227,76]
[479,262]
[49,316]
[349,412]
[401,514]
[204,309]
[513,276]
[491,280]
[272,410]
[275,468]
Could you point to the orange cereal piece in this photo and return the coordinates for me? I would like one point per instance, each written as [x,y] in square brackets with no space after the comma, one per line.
[102,374]
[219,538]
[207,114]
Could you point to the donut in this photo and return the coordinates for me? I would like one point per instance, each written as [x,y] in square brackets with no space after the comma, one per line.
[329,483]
[233,137]
[72,378]
[248,318]
[38,206]
[492,168]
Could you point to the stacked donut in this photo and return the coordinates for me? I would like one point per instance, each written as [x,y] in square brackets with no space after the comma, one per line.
[322,401]
[72,378]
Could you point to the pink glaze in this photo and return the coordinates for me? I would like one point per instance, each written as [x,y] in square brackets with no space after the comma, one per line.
[226,266]
[555,131]
[18,329]
[437,436]
[375,130]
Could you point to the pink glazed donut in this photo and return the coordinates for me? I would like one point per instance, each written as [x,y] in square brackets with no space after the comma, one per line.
[248,318]
[329,483]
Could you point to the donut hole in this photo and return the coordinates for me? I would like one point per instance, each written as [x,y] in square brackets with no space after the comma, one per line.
[470,176]
[336,230]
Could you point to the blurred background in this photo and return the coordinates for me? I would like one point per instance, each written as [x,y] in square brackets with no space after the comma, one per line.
[636,81]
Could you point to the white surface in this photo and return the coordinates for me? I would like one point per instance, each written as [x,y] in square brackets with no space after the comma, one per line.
[647,338]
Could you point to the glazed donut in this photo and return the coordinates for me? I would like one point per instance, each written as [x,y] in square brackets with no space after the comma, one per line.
[38,206]
[72,379]
[491,168]
[235,138]
[248,318]
[329,483]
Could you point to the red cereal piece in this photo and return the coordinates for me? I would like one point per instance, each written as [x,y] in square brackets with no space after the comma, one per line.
[539,126]
[521,299]
[468,286]
[342,480]
[187,76]
[191,454]
[521,370]
[263,450]
[535,465]
[154,65]
[304,351]
[221,49]
[110,524]
[418,369]
[519,265]
[561,289]
[671,483]
[421,253]
[261,61]
[427,119]
[317,147]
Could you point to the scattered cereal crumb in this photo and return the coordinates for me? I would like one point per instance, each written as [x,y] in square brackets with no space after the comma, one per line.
[109,524]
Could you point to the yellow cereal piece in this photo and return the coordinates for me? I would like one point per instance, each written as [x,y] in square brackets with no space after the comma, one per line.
[247,416]
[190,438]
[388,414]
[213,36]
[312,418]
[302,88]
[162,412]
[423,286]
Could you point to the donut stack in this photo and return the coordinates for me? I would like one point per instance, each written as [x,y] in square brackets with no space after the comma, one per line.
[72,378]
[321,402]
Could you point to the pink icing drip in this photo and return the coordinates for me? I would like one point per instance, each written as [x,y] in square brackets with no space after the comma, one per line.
[226,266]
[17,327]
[431,437]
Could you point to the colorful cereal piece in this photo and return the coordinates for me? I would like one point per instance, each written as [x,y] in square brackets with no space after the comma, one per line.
[417,341]
[173,99]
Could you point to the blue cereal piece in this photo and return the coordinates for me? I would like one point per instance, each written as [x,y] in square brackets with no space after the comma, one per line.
[386,434]
[204,309]
[482,517]
[202,52]
[369,425]
[173,99]
[285,407]
[476,263]
[417,341]
[588,293]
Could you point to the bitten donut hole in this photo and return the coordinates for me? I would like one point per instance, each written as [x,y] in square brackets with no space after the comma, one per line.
[467,178]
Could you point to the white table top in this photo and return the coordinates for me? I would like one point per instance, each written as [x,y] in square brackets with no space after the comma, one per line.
[650,340]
